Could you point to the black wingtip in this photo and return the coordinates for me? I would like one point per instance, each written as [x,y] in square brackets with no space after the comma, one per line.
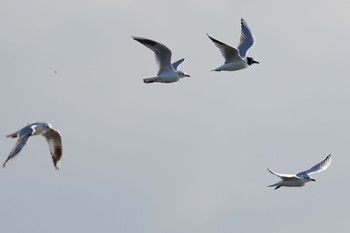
[4,164]
[145,40]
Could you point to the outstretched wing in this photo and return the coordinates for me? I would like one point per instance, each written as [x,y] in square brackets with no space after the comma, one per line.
[23,136]
[163,54]
[177,63]
[284,176]
[53,138]
[247,39]
[318,167]
[228,52]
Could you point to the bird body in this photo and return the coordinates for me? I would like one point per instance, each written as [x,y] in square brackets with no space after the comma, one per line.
[287,180]
[52,136]
[167,72]
[232,66]
[302,178]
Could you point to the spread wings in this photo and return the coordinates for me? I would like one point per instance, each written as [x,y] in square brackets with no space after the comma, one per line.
[247,39]
[163,53]
[53,138]
[284,176]
[23,136]
[228,52]
[318,167]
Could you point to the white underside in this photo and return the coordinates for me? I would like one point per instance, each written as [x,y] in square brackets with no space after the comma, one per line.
[232,66]
[168,77]
[289,183]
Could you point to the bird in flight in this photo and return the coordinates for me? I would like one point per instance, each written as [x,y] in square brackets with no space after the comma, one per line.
[52,136]
[301,178]
[236,58]
[167,72]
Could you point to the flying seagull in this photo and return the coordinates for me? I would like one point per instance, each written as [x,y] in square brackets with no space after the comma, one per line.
[301,178]
[236,58]
[52,136]
[168,72]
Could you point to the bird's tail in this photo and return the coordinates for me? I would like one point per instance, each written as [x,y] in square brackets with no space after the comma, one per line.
[149,80]
[276,185]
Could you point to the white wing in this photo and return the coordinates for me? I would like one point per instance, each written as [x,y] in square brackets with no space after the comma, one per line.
[247,39]
[23,136]
[177,63]
[284,176]
[163,54]
[228,52]
[55,145]
[318,167]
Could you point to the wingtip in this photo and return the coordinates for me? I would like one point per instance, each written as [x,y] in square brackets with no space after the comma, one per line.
[329,157]
[270,171]
[57,167]
[209,36]
[137,38]
[6,162]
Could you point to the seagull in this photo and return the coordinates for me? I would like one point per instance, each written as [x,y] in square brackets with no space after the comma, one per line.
[167,73]
[301,178]
[236,58]
[52,136]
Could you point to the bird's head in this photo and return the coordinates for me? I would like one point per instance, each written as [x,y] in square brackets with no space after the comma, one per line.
[251,61]
[41,127]
[182,74]
[308,178]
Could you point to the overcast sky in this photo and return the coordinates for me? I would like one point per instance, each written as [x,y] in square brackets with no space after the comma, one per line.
[186,157]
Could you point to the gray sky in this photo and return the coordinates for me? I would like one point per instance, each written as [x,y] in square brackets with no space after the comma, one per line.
[186,157]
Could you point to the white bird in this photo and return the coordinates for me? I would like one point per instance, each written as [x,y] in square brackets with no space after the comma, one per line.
[52,136]
[168,72]
[301,178]
[236,58]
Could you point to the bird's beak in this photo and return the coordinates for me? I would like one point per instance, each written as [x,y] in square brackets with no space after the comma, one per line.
[313,180]
[187,75]
[256,62]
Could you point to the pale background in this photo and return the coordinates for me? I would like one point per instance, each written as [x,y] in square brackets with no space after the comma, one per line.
[187,157]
